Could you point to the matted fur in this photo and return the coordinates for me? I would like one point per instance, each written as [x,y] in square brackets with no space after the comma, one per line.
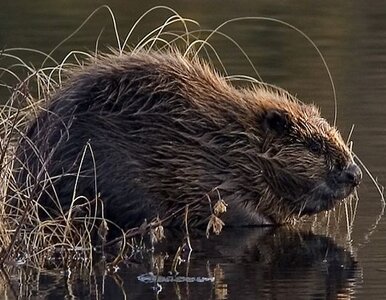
[166,130]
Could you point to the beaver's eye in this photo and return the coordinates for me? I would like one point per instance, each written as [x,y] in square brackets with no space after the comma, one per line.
[315,147]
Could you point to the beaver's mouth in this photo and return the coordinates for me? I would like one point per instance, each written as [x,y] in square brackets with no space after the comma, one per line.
[322,197]
[325,194]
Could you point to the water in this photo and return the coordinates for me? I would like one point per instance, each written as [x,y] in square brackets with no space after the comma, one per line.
[252,262]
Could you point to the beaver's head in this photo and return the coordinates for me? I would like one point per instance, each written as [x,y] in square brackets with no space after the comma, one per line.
[306,164]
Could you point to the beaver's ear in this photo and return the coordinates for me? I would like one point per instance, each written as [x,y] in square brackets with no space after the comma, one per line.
[276,122]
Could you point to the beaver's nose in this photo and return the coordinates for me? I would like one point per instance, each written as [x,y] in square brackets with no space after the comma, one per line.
[351,175]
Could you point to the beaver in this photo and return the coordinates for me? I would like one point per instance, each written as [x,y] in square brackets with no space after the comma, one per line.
[150,132]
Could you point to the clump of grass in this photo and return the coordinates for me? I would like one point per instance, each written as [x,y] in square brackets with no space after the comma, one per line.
[68,239]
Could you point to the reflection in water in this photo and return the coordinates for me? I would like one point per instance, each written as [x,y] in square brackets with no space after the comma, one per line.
[280,262]
[244,262]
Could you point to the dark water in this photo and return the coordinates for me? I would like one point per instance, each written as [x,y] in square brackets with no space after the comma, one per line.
[246,263]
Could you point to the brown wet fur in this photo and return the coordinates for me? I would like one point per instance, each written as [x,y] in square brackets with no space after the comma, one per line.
[165,130]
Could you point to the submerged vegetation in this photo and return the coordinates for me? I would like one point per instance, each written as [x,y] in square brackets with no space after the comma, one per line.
[69,242]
